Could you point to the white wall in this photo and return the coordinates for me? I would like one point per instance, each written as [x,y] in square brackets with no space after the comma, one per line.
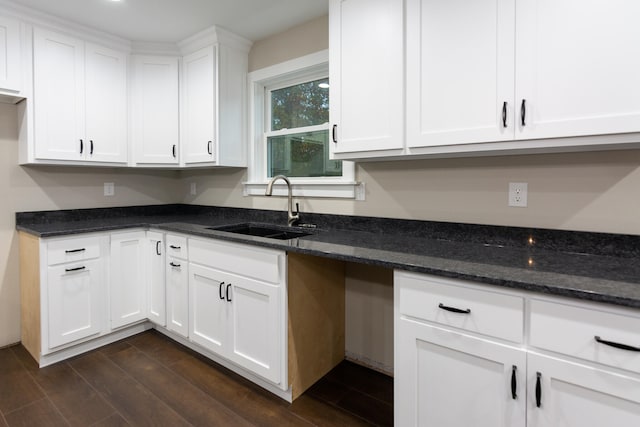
[50,188]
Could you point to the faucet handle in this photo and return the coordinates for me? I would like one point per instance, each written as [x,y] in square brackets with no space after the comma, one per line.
[297,209]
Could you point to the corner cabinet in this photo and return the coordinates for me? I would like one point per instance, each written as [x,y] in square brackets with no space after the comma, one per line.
[214,92]
[366,75]
[155,130]
[80,100]
[510,359]
[127,284]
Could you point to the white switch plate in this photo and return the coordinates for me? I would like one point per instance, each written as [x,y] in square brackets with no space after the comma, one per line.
[109,189]
[518,194]
[193,189]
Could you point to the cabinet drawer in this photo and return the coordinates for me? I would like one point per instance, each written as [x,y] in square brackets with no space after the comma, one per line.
[571,330]
[71,250]
[248,261]
[490,313]
[177,246]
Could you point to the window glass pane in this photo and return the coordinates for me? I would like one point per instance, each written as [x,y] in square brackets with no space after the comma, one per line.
[305,104]
[301,155]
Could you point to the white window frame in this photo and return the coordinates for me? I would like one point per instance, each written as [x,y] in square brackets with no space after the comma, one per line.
[306,68]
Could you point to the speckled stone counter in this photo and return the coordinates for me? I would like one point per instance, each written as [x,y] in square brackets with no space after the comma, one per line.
[592,266]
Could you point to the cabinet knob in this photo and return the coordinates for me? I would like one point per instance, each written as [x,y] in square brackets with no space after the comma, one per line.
[334,133]
[74,269]
[91,146]
[514,382]
[81,146]
[227,293]
[220,292]
[210,147]
[523,112]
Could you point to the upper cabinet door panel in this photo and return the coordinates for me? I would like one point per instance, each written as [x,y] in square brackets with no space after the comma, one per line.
[199,106]
[155,127]
[460,71]
[10,77]
[58,96]
[577,67]
[366,74]
[106,104]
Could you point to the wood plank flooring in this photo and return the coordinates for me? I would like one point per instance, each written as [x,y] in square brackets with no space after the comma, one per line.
[149,380]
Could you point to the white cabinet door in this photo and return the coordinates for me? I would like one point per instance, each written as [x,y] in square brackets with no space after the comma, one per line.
[208,309]
[74,303]
[156,278]
[58,96]
[366,74]
[448,379]
[155,131]
[178,296]
[10,69]
[574,395]
[254,328]
[106,104]
[460,71]
[199,111]
[577,68]
[127,287]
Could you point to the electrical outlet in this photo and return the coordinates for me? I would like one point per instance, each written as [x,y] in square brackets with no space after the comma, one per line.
[193,189]
[518,194]
[109,189]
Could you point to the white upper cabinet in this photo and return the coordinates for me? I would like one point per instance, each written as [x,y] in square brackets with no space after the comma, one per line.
[366,76]
[214,94]
[155,115]
[460,71]
[10,69]
[59,92]
[577,67]
[106,103]
[483,76]
[80,94]
[199,108]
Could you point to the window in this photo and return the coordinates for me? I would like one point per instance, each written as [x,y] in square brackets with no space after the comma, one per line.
[289,103]
[298,134]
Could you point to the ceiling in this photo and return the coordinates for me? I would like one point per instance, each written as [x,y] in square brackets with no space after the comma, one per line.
[174,20]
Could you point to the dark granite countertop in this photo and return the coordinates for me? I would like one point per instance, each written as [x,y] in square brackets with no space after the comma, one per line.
[592,266]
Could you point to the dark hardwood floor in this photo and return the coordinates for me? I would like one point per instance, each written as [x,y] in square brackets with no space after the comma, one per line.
[149,380]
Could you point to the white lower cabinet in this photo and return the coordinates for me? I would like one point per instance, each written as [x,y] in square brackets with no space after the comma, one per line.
[177,285]
[127,284]
[155,275]
[450,372]
[451,379]
[74,302]
[576,395]
[235,316]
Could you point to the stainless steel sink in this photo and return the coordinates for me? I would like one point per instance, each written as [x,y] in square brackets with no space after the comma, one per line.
[262,230]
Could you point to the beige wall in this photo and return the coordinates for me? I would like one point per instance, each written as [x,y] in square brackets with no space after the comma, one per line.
[596,191]
[49,188]
[293,43]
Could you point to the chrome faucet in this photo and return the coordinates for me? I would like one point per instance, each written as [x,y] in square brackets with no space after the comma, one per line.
[291,217]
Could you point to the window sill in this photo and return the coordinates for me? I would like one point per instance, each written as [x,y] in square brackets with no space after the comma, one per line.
[333,190]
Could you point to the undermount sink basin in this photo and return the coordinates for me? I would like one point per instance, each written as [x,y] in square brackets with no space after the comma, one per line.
[262,230]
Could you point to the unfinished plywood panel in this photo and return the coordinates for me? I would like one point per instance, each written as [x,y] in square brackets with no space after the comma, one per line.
[369,316]
[30,293]
[316,319]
